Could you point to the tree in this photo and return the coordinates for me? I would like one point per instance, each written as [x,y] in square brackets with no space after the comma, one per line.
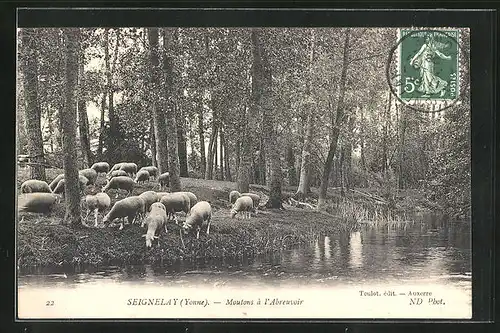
[29,66]
[68,124]
[168,86]
[83,120]
[160,127]
[337,125]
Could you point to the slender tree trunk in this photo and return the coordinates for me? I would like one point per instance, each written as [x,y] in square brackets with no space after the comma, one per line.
[68,122]
[362,139]
[227,170]
[290,160]
[384,138]
[83,121]
[338,123]
[222,152]
[32,115]
[213,138]
[168,71]
[181,140]
[160,127]
[348,153]
[201,138]
[305,167]
[214,154]
[101,127]
[152,142]
[401,178]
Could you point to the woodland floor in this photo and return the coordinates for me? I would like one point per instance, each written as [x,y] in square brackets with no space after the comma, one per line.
[42,241]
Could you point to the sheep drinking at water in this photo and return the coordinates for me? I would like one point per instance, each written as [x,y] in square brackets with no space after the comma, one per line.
[141,176]
[175,202]
[243,204]
[120,183]
[129,207]
[36,202]
[155,221]
[199,213]
[98,203]
[90,174]
[100,167]
[35,185]
[233,195]
[153,171]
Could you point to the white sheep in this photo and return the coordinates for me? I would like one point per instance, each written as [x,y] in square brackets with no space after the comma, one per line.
[243,204]
[149,198]
[98,203]
[130,168]
[39,202]
[120,182]
[141,176]
[163,180]
[35,185]
[155,221]
[153,171]
[90,174]
[255,198]
[129,207]
[116,173]
[233,195]
[100,167]
[192,198]
[117,166]
[55,181]
[175,202]
[161,194]
[200,212]
[82,181]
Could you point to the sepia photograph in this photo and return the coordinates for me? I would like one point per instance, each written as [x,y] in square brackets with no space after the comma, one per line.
[243,172]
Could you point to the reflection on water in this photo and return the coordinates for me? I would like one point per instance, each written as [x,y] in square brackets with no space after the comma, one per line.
[430,250]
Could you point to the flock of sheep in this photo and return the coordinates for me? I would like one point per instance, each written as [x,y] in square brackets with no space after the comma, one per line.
[155,209]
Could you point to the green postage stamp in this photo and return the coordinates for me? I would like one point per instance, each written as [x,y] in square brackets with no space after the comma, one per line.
[429,64]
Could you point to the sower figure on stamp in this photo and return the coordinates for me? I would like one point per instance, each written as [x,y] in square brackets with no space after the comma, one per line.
[430,83]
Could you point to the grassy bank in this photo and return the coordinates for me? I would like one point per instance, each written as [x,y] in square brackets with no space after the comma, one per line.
[44,242]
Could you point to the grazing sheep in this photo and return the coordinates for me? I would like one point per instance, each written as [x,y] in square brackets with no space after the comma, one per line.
[200,212]
[116,173]
[153,171]
[82,180]
[56,180]
[233,196]
[175,202]
[100,167]
[120,183]
[243,204]
[255,198]
[39,202]
[163,180]
[149,198]
[98,203]
[156,219]
[117,166]
[129,207]
[192,198]
[130,168]
[35,185]
[141,176]
[91,175]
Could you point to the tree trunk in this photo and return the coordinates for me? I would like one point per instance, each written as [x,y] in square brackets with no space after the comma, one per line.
[305,167]
[290,160]
[160,127]
[168,72]
[338,123]
[385,133]
[222,152]
[152,142]
[83,121]
[227,170]
[32,108]
[201,137]
[214,154]
[181,140]
[401,178]
[362,139]
[68,122]
[213,138]
[101,127]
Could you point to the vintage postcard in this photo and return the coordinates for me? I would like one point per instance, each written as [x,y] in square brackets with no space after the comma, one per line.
[249,173]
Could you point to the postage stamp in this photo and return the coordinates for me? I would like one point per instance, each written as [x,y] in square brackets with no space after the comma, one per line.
[428,63]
